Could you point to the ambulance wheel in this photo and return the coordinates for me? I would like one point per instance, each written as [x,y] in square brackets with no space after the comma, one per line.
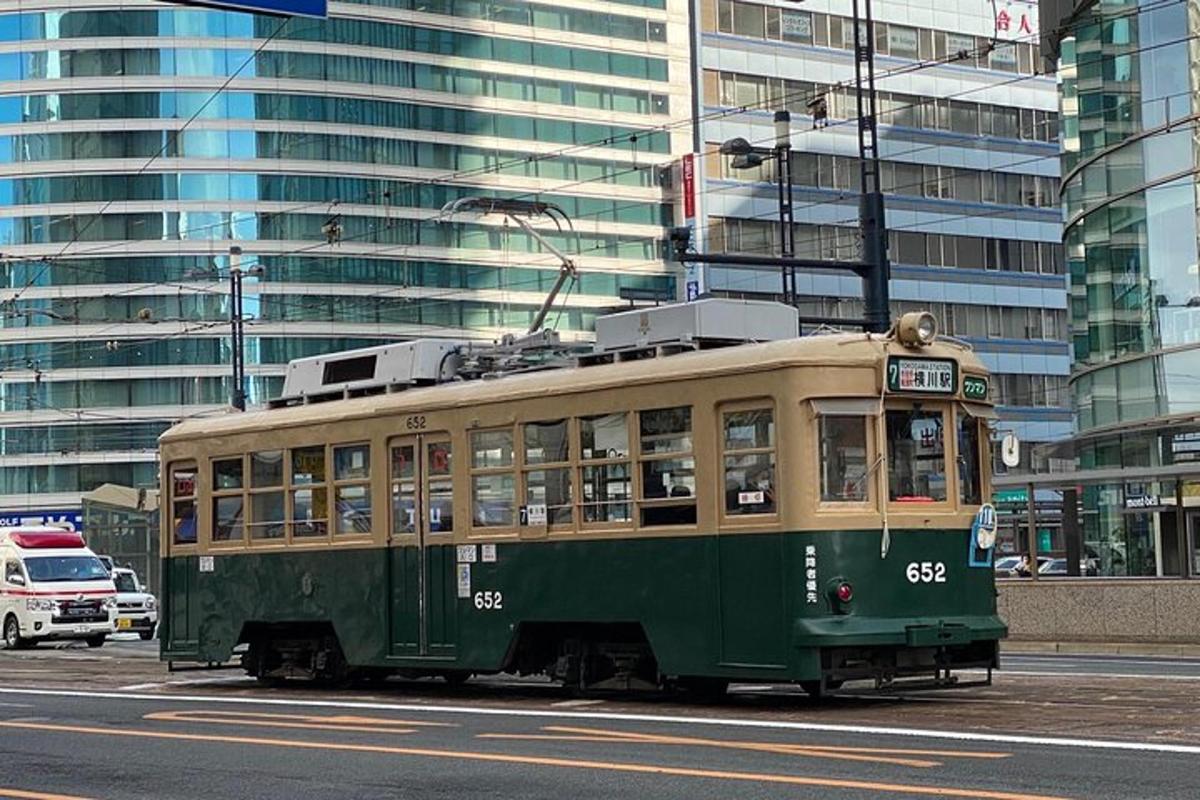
[97,641]
[12,634]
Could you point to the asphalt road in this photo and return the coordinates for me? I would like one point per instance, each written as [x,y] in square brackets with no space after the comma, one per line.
[81,744]
[112,723]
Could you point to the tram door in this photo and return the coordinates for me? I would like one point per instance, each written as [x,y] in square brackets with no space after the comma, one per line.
[421,550]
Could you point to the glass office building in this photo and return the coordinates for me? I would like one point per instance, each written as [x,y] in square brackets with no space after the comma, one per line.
[1128,74]
[141,141]
[969,148]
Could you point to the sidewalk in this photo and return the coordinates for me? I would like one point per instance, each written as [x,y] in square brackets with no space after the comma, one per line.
[1101,648]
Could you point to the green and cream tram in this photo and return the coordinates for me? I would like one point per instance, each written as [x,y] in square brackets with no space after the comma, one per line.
[654,514]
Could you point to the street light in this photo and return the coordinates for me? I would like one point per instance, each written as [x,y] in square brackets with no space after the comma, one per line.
[747,156]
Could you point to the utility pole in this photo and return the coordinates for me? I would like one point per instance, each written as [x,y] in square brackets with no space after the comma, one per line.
[787,222]
[876,300]
[873,268]
[237,326]
[238,398]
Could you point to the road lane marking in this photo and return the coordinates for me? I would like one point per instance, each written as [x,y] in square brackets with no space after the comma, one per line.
[1008,673]
[138,687]
[550,761]
[729,722]
[898,757]
[20,794]
[339,723]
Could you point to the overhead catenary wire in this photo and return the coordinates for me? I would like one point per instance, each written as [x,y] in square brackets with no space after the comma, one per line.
[738,110]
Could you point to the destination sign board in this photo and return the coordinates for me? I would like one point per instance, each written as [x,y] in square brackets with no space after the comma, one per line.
[926,375]
[278,8]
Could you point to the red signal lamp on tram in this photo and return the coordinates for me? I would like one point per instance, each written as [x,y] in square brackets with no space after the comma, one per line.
[844,592]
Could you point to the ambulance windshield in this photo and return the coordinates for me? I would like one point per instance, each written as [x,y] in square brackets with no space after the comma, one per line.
[65,568]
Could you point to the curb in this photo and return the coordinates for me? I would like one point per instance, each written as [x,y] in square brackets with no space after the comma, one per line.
[1102,648]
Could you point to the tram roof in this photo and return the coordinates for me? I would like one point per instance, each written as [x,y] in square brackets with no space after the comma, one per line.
[842,350]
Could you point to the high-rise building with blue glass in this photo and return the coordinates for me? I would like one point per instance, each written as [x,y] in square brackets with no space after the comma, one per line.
[140,142]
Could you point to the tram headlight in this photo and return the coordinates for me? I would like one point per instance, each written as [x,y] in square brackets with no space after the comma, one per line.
[917,329]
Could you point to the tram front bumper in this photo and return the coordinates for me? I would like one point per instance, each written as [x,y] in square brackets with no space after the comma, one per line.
[852,631]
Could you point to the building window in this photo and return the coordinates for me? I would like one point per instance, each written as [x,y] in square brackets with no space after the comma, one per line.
[605,474]
[352,489]
[183,505]
[668,470]
[749,444]
[493,480]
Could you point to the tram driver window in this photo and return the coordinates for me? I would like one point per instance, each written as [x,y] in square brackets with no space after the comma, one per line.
[843,442]
[183,505]
[916,448]
[668,470]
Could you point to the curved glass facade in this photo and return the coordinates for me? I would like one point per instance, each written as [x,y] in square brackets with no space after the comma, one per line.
[1130,194]
[137,145]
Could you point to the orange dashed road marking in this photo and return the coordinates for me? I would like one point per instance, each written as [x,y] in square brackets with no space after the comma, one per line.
[347,723]
[547,761]
[901,757]
[20,794]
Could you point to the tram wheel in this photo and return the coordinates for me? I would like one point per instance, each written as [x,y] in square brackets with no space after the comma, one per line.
[706,689]
[456,677]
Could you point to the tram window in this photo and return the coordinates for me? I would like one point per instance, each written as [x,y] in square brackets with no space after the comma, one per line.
[749,444]
[606,479]
[268,518]
[310,502]
[668,471]
[352,489]
[229,518]
[916,456]
[493,479]
[404,489]
[227,474]
[970,479]
[546,448]
[439,487]
[604,436]
[183,505]
[843,443]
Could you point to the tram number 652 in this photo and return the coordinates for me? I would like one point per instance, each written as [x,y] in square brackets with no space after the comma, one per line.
[489,601]
[925,572]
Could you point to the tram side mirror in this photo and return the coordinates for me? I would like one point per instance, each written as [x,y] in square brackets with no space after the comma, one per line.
[1010,450]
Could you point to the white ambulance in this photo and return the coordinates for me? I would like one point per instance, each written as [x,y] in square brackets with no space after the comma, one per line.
[53,587]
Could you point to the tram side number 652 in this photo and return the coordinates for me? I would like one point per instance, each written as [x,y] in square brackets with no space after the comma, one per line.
[925,572]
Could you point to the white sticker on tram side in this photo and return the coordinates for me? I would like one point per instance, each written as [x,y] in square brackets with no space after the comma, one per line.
[488,554]
[466,554]
[464,581]
[207,564]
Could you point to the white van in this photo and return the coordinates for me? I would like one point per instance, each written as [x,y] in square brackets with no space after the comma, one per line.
[53,587]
